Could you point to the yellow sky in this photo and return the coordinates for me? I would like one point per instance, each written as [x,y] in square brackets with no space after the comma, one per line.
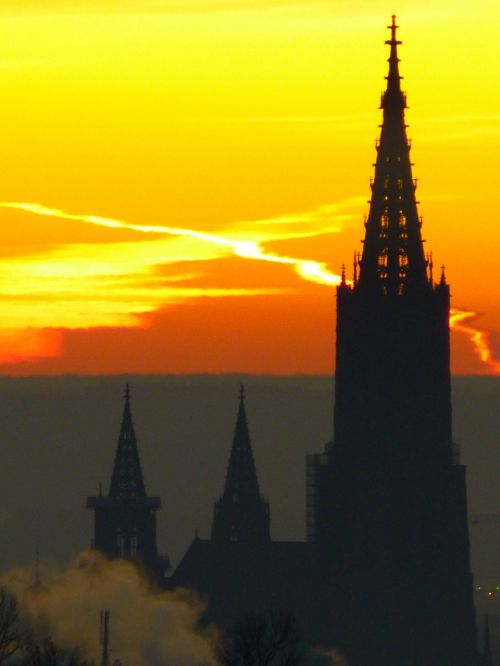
[247,120]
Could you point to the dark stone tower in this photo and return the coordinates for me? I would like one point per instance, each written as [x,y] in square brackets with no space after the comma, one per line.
[241,514]
[387,500]
[125,519]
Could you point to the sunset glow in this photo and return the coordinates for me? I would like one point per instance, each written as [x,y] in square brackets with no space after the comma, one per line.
[203,172]
[478,338]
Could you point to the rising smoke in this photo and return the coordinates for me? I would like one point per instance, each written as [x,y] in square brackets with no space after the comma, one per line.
[147,626]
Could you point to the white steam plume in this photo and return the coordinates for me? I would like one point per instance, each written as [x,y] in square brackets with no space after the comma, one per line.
[147,627]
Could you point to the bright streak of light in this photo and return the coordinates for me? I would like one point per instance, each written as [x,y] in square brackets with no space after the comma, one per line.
[478,337]
[313,271]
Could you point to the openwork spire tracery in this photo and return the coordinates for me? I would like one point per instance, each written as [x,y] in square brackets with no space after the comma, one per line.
[127,479]
[393,258]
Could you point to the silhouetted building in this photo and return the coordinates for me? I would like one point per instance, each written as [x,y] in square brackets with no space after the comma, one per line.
[384,575]
[387,499]
[240,570]
[241,514]
[125,519]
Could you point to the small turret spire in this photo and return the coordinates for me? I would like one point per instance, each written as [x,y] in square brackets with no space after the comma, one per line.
[127,479]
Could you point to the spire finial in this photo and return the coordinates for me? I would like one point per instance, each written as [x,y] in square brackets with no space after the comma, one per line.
[343,275]
[127,392]
[393,28]
[242,393]
[443,274]
[393,97]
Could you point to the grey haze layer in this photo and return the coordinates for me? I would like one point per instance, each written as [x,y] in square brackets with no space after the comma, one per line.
[59,437]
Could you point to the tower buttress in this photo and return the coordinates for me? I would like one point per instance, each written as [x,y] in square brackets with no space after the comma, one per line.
[241,514]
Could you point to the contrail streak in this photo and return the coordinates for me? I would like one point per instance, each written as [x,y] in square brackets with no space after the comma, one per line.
[314,271]
[478,337]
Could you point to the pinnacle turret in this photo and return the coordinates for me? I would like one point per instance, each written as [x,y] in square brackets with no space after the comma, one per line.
[127,479]
[393,260]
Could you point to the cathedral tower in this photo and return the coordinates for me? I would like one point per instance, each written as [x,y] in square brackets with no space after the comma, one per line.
[241,514]
[125,519]
[387,500]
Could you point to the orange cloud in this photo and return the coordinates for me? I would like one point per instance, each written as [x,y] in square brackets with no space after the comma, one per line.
[114,284]
[86,285]
[28,344]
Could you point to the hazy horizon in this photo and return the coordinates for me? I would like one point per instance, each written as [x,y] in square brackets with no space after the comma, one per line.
[60,436]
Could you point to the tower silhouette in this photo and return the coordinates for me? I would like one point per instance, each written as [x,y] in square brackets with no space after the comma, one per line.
[240,569]
[241,514]
[387,499]
[125,519]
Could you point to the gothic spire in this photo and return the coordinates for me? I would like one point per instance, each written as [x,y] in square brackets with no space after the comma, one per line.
[127,479]
[241,514]
[393,258]
[241,476]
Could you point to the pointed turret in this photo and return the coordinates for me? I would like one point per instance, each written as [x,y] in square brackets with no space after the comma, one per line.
[393,258]
[241,514]
[127,479]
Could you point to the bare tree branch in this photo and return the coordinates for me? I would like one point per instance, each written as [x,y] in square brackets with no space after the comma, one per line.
[261,640]
[10,626]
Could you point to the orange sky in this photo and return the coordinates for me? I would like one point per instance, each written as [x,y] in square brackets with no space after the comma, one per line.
[200,171]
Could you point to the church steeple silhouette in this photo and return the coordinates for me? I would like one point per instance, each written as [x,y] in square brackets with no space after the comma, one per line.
[241,514]
[127,479]
[393,256]
[125,519]
[387,499]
